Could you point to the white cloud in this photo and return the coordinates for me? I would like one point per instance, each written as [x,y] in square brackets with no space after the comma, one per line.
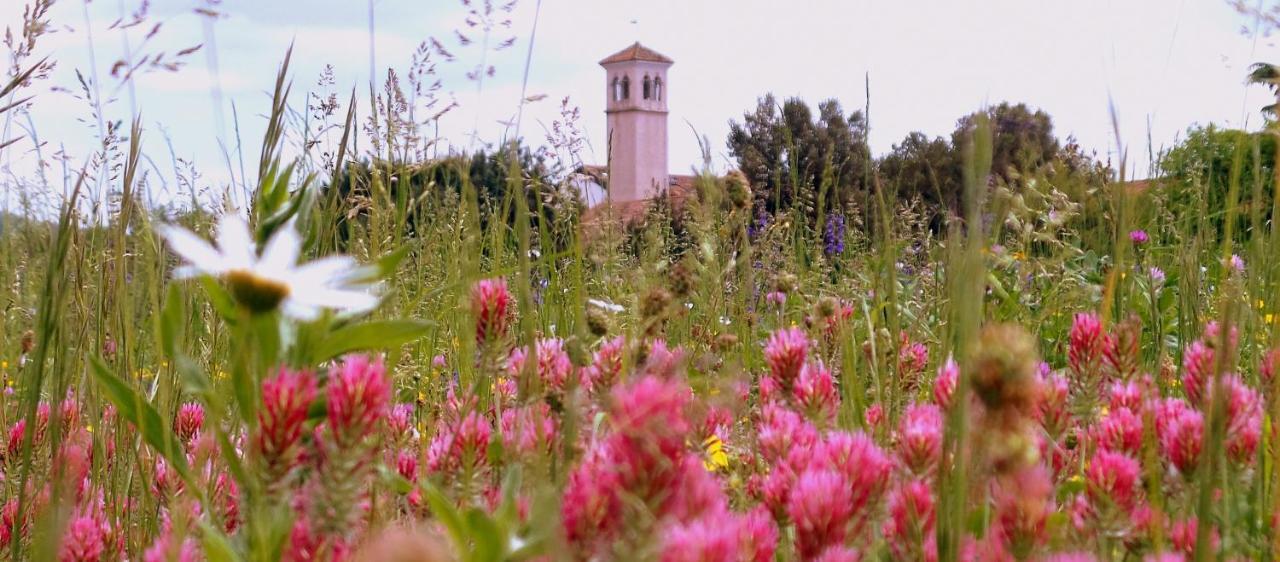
[194,78]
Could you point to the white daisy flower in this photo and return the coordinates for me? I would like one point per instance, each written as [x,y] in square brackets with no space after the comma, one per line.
[605,305]
[273,279]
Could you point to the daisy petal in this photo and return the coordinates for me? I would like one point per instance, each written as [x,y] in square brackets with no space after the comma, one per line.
[326,271]
[236,242]
[337,299]
[187,272]
[198,253]
[300,311]
[281,251]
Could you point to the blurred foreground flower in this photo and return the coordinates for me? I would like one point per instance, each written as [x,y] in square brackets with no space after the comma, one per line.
[262,282]
[1237,263]
[1157,276]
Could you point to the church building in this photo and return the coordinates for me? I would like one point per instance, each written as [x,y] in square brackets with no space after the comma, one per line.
[636,93]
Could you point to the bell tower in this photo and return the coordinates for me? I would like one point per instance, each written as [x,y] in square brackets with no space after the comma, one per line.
[636,111]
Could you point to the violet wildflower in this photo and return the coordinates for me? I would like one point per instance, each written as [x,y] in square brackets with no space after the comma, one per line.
[1157,276]
[833,235]
[1237,263]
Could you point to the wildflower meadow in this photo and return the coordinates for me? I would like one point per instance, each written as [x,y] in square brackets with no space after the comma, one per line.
[370,343]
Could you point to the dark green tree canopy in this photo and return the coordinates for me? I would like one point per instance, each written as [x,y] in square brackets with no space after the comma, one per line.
[1198,172]
[790,155]
[924,169]
[1267,75]
[1022,139]
[930,170]
[483,175]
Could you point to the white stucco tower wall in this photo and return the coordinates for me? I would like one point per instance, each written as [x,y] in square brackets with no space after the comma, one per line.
[636,87]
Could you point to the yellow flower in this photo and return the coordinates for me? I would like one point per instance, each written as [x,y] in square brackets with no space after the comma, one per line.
[422,396]
[716,459]
[1019,256]
[164,364]
[1270,318]
[89,428]
[1261,304]
[220,374]
[4,364]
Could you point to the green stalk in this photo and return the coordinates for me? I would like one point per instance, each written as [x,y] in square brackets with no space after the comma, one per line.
[968,283]
[1217,419]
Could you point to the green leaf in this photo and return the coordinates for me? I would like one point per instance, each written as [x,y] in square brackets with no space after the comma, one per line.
[275,214]
[448,515]
[977,520]
[393,479]
[369,335]
[219,298]
[1071,487]
[193,379]
[170,322]
[235,464]
[319,408]
[496,451]
[216,546]
[508,512]
[134,408]
[487,541]
[526,550]
[274,532]
[383,268]
[266,329]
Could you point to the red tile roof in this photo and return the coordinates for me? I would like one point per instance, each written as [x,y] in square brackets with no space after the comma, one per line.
[1141,186]
[627,213]
[636,52]
[630,213]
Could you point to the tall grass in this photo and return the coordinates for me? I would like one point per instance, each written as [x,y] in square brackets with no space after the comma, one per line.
[90,311]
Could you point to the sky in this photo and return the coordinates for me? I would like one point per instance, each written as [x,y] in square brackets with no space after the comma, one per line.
[1163,65]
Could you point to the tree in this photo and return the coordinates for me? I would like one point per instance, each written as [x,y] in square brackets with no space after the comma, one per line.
[422,187]
[790,156]
[1200,171]
[1269,76]
[1022,140]
[924,169]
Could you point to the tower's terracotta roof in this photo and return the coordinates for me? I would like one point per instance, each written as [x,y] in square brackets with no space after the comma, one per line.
[636,52]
